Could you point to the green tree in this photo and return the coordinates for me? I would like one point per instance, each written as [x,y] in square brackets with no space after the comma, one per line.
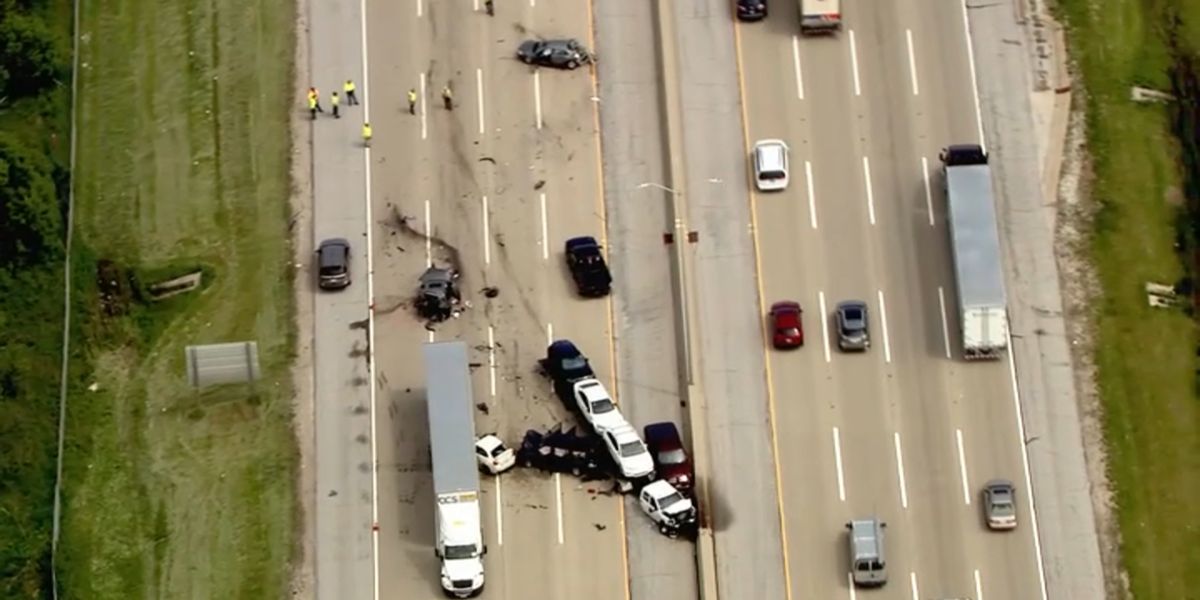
[30,60]
[30,218]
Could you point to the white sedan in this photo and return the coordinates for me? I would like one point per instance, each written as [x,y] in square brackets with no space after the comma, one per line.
[629,451]
[597,405]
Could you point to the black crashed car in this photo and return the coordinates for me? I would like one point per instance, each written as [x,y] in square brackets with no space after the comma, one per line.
[560,54]
[588,269]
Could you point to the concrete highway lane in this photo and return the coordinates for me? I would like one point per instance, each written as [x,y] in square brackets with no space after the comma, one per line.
[903,431]
[500,182]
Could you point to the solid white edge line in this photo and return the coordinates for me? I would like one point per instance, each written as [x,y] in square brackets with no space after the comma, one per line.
[492,358]
[854,64]
[371,373]
[928,191]
[428,237]
[912,577]
[479,93]
[978,586]
[837,461]
[812,197]
[974,76]
[1037,542]
[545,228]
[824,323]
[424,111]
[558,504]
[499,512]
[796,64]
[945,323]
[912,63]
[487,234]
[537,97]
[962,467]
[866,162]
[900,470]
[887,346]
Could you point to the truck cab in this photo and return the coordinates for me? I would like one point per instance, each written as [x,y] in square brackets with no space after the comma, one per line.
[670,509]
[460,544]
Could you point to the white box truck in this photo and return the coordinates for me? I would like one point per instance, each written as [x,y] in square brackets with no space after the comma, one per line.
[458,526]
[820,16]
[975,241]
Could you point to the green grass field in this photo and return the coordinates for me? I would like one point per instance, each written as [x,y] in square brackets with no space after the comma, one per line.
[1146,356]
[183,163]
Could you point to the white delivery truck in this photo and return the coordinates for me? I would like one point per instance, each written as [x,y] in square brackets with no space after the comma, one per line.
[820,16]
[975,242]
[458,527]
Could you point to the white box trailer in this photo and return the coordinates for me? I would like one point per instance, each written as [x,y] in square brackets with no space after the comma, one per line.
[975,241]
[458,525]
[820,16]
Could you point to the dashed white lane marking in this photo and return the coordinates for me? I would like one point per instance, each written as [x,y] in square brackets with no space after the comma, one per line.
[558,504]
[545,228]
[824,323]
[912,63]
[978,586]
[428,238]
[420,9]
[887,345]
[499,512]
[812,197]
[962,466]
[945,323]
[900,470]
[549,333]
[796,65]
[915,594]
[837,461]
[537,97]
[866,162]
[854,64]
[479,93]
[928,191]
[424,111]
[492,358]
[487,233]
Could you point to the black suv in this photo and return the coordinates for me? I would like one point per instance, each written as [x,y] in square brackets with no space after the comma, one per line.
[564,365]
[751,10]
[560,54]
[333,264]
[588,268]
[852,327]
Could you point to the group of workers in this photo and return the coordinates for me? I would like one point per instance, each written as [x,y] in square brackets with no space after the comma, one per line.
[348,90]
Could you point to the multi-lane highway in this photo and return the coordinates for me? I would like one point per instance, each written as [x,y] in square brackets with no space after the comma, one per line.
[800,441]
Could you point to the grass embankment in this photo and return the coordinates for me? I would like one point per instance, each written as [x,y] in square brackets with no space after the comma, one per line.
[182,165]
[1147,357]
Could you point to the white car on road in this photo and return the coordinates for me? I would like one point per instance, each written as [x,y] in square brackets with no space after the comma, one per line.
[493,456]
[628,451]
[596,405]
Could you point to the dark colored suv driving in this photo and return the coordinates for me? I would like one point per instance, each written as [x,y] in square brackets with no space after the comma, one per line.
[853,329]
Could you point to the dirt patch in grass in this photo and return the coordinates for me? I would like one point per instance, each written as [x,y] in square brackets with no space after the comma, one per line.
[183,167]
[1145,358]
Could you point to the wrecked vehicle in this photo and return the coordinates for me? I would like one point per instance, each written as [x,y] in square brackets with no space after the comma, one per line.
[674,513]
[438,296]
[558,451]
[493,456]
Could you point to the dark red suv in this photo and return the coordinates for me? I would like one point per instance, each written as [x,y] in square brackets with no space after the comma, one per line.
[787,331]
[670,459]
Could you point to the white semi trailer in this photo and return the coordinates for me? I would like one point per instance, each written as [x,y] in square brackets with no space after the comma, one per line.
[975,240]
[458,526]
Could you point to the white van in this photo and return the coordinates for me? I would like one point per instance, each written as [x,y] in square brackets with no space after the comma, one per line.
[770,165]
[820,16]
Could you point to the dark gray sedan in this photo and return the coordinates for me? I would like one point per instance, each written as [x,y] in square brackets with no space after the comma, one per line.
[853,330]
[333,264]
[560,54]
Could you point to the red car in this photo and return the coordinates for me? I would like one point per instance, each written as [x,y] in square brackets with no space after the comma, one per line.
[786,328]
[671,460]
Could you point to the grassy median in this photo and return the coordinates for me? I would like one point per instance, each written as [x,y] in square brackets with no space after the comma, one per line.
[183,167]
[1147,357]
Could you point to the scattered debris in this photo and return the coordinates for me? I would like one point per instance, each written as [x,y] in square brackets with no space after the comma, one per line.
[488,159]
[541,183]
[599,527]
[176,286]
[1147,95]
[1160,296]
[490,292]
[482,407]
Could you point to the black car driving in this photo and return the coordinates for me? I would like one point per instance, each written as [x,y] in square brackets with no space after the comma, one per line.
[588,269]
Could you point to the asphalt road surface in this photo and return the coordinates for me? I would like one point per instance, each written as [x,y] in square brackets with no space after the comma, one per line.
[499,183]
[906,431]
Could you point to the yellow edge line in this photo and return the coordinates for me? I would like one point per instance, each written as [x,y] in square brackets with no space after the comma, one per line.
[762,310]
[612,350]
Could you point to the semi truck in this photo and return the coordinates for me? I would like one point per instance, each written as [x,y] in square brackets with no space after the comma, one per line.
[820,16]
[975,241]
[458,526]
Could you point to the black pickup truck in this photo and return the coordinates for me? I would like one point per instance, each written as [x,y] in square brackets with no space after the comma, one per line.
[588,268]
